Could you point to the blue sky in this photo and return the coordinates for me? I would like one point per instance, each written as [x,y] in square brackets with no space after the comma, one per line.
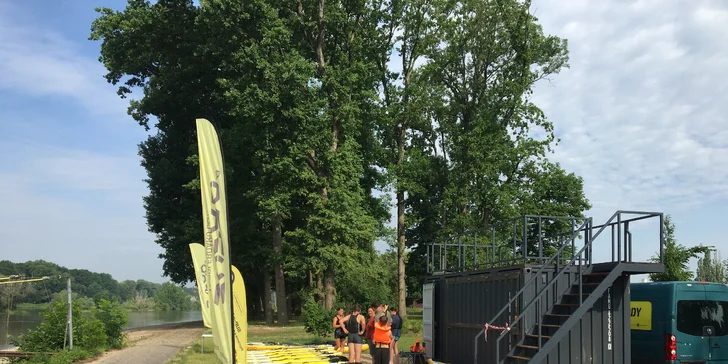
[640,114]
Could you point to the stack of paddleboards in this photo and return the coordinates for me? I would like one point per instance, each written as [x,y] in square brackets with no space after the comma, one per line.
[259,353]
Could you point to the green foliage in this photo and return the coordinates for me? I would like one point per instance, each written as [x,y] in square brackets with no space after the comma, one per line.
[49,335]
[171,297]
[676,256]
[63,357]
[317,319]
[412,326]
[89,331]
[711,269]
[114,318]
[294,93]
[140,303]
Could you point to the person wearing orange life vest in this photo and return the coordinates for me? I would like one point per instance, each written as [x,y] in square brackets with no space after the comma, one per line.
[382,340]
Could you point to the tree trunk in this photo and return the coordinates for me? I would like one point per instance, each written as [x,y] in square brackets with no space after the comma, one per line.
[330,289]
[401,282]
[250,304]
[266,297]
[278,268]
[321,296]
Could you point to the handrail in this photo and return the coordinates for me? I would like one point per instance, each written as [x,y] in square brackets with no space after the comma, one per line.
[520,292]
[537,274]
[589,239]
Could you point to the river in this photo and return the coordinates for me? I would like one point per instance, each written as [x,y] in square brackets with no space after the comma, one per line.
[22,322]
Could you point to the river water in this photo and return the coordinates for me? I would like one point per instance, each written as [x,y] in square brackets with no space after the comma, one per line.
[16,324]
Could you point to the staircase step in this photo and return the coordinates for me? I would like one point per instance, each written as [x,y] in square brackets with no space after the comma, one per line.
[516,357]
[567,304]
[591,284]
[576,294]
[531,347]
[550,325]
[544,337]
[557,315]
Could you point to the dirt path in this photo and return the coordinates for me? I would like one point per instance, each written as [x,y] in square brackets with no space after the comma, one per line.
[154,345]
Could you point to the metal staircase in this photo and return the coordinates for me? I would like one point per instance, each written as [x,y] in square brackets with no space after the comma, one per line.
[549,308]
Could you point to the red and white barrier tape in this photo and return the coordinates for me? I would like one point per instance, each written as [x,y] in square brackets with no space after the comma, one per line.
[493,327]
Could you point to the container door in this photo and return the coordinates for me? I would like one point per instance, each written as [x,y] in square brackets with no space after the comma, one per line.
[692,344]
[428,317]
[716,312]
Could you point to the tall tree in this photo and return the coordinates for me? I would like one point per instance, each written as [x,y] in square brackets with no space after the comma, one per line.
[407,28]
[492,138]
[711,268]
[337,36]
[676,256]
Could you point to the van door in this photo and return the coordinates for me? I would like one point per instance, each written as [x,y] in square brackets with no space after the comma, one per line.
[715,312]
[692,345]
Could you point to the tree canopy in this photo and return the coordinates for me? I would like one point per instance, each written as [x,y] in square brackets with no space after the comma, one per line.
[676,256]
[88,288]
[316,122]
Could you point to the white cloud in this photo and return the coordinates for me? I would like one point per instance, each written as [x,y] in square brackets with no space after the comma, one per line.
[37,61]
[80,208]
[638,112]
[77,208]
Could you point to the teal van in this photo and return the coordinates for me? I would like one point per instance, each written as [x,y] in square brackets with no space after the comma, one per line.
[679,322]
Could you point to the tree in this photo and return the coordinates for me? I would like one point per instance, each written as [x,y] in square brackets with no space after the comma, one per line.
[489,142]
[172,298]
[710,268]
[294,127]
[402,117]
[10,294]
[676,256]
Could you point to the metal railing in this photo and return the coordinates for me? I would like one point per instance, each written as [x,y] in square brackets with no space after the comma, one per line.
[580,258]
[521,240]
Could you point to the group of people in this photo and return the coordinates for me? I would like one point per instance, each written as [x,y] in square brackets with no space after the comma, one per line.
[382,330]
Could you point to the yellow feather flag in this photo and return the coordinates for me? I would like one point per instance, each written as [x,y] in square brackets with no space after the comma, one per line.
[240,317]
[217,244]
[203,280]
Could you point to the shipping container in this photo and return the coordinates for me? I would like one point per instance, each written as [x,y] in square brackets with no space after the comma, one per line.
[539,307]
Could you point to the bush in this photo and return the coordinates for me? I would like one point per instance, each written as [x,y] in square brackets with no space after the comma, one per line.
[49,335]
[114,318]
[412,326]
[92,331]
[63,357]
[317,319]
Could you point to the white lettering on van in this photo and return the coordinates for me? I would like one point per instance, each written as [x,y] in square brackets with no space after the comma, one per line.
[609,318]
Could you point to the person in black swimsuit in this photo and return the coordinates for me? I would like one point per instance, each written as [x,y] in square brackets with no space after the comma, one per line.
[354,325]
[339,334]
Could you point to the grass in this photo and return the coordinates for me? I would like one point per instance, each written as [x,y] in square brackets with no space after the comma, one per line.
[294,334]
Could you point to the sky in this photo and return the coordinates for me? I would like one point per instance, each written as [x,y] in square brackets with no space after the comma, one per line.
[638,113]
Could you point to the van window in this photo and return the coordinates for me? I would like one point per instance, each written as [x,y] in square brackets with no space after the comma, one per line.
[692,316]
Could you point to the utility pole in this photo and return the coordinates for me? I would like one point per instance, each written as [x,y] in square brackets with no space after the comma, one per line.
[70,315]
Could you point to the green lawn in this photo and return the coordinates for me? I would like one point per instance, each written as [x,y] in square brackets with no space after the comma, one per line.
[294,334]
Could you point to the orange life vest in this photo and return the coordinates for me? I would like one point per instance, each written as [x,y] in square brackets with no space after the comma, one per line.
[416,348]
[381,333]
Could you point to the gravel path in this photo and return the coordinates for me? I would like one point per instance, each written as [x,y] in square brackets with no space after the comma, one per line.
[154,345]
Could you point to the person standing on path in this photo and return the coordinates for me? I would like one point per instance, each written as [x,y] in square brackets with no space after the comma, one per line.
[339,334]
[382,340]
[370,324]
[396,334]
[381,309]
[354,327]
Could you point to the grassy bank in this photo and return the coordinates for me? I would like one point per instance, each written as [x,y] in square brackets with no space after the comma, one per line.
[294,334]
